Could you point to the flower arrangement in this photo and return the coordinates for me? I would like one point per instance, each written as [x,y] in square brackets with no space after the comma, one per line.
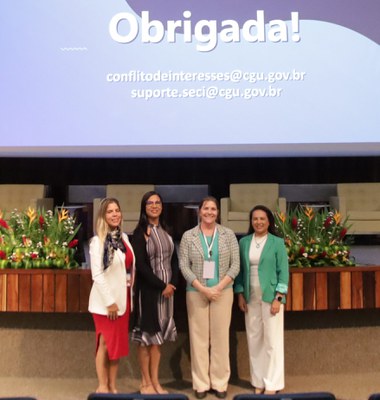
[314,239]
[38,239]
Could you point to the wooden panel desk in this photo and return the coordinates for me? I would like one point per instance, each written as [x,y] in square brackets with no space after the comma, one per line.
[324,288]
[335,288]
[44,290]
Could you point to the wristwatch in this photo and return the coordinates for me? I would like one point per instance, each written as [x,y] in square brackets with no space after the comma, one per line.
[279,298]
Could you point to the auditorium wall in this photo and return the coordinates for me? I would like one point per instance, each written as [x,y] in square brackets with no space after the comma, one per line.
[218,173]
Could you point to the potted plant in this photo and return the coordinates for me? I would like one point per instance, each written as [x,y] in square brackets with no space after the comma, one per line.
[314,238]
[38,239]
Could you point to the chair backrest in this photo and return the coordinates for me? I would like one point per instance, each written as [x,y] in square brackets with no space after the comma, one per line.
[129,196]
[18,398]
[287,396]
[244,196]
[20,197]
[137,396]
[360,196]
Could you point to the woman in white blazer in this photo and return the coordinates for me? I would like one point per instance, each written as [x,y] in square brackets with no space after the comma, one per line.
[112,268]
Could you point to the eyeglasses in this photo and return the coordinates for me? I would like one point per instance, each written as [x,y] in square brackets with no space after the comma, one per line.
[150,203]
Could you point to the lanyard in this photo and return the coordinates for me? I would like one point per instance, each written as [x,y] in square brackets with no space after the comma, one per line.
[209,246]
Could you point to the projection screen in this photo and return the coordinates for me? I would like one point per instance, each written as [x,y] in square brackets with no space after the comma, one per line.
[173,78]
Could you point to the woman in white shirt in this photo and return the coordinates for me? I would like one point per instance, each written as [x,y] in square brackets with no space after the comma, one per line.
[112,268]
[262,285]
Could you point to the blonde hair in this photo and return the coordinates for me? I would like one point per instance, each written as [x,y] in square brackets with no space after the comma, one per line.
[102,227]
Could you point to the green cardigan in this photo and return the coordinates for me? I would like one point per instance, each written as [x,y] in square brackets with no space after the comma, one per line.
[273,268]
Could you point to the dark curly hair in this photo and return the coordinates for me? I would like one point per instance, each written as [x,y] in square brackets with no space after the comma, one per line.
[268,212]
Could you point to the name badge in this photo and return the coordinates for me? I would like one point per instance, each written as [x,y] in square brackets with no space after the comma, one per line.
[129,277]
[208,269]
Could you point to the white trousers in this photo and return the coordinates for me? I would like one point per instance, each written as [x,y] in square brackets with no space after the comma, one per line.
[209,327]
[265,336]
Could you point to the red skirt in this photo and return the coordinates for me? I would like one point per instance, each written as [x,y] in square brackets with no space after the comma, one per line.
[115,334]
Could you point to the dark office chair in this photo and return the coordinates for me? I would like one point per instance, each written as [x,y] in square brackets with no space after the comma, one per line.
[135,396]
[374,396]
[18,398]
[288,396]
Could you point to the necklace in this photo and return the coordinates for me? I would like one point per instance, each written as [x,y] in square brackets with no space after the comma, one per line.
[207,230]
[258,244]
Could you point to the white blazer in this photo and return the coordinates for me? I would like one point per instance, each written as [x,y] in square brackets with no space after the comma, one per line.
[110,285]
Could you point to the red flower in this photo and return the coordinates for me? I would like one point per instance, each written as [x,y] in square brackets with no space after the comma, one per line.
[323,254]
[33,256]
[327,222]
[343,233]
[3,256]
[302,250]
[4,224]
[294,223]
[41,221]
[73,243]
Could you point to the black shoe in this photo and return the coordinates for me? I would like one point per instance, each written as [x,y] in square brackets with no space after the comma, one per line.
[200,395]
[220,395]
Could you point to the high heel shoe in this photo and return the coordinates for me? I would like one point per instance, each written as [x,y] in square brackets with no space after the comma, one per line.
[159,389]
[147,389]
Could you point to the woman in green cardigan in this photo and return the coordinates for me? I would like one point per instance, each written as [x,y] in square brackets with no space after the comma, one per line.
[262,285]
